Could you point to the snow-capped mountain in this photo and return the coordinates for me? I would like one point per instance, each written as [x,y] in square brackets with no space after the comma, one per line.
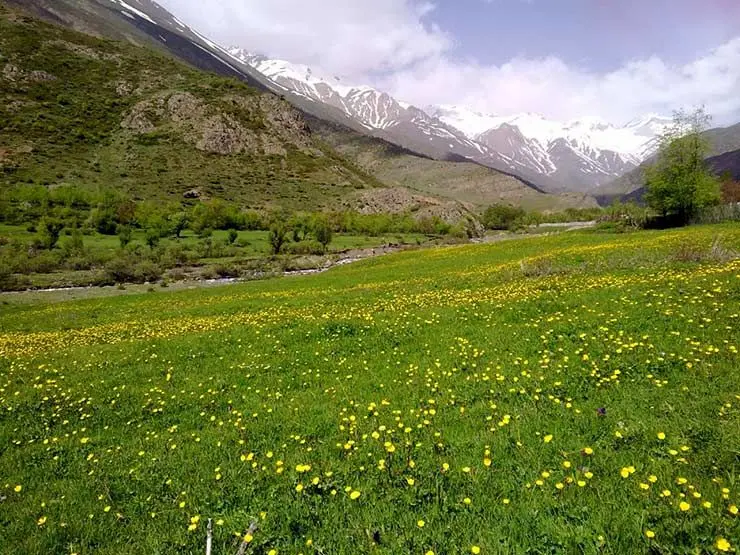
[378,112]
[577,155]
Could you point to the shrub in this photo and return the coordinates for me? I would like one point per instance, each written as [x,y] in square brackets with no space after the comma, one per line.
[152,237]
[122,269]
[305,247]
[693,252]
[147,270]
[502,216]
[226,270]
[74,244]
[538,267]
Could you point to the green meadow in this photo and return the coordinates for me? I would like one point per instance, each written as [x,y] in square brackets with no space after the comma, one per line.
[575,393]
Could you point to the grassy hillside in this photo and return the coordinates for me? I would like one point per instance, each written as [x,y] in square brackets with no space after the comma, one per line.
[86,111]
[569,394]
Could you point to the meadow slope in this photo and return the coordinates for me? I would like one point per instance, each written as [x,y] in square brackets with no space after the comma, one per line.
[576,393]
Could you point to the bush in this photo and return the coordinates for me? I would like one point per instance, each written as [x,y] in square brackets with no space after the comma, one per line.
[693,252]
[501,217]
[225,271]
[128,268]
[152,237]
[149,271]
[305,247]
[122,269]
[624,217]
[50,230]
[74,244]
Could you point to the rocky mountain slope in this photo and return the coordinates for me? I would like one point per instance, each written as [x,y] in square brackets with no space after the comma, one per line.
[89,111]
[380,115]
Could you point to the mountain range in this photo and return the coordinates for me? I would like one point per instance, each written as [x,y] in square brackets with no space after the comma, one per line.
[577,155]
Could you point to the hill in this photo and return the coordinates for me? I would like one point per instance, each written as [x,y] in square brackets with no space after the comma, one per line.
[151,25]
[726,164]
[92,112]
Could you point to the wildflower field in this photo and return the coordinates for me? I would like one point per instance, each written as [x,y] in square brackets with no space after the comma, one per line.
[577,393]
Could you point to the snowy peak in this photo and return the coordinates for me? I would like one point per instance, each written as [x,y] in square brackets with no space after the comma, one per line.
[373,108]
[281,69]
[651,125]
[471,123]
[579,153]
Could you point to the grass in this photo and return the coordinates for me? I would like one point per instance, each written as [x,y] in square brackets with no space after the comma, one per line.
[575,393]
[254,243]
[250,255]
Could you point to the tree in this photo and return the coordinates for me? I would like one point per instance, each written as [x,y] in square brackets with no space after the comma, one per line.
[321,229]
[680,183]
[232,236]
[125,234]
[278,235]
[178,223]
[153,236]
[730,188]
[50,229]
[300,224]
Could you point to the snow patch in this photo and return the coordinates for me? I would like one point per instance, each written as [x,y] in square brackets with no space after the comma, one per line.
[133,10]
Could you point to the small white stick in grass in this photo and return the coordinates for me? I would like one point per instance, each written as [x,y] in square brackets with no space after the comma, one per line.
[209,537]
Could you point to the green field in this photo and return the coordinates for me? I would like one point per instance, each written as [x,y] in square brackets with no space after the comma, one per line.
[576,393]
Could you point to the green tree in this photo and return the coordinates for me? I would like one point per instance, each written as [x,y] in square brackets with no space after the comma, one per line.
[50,229]
[178,223]
[277,237]
[321,229]
[680,183]
[153,236]
[75,244]
[232,236]
[125,234]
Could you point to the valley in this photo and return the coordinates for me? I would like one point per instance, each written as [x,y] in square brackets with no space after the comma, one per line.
[252,307]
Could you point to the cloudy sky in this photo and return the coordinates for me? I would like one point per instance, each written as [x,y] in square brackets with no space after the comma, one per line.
[616,59]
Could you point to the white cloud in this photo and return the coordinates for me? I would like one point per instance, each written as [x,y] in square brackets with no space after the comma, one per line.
[348,37]
[562,91]
[360,40]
